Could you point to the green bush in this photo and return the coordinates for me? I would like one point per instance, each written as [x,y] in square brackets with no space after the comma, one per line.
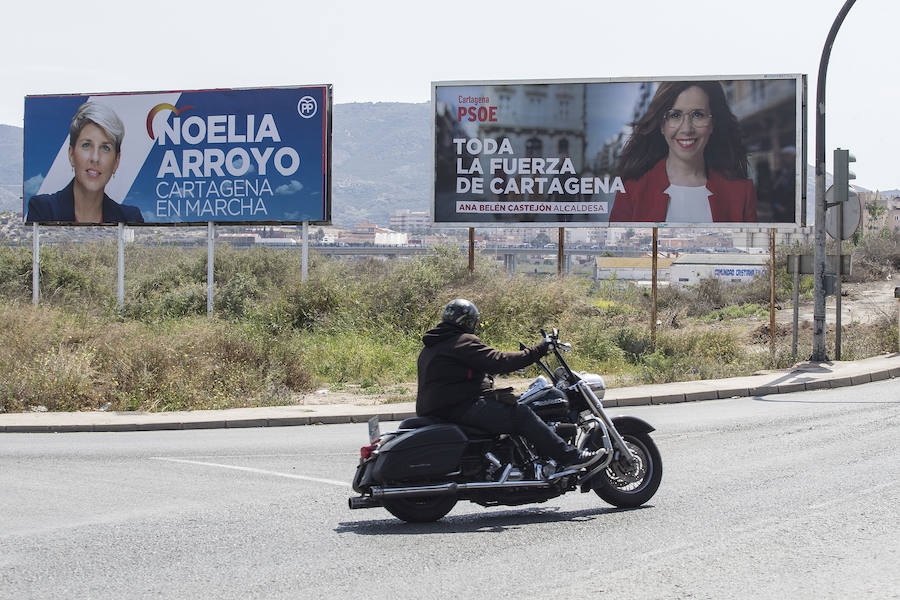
[634,342]
[596,344]
[689,355]
[734,311]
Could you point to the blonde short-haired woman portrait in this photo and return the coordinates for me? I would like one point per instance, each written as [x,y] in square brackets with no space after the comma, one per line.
[95,146]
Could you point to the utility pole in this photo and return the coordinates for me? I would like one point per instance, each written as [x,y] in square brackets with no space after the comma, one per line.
[818,353]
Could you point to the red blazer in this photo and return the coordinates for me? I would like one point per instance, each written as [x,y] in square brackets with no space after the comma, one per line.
[645,199]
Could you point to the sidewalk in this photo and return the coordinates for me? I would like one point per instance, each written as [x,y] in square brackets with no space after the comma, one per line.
[803,377]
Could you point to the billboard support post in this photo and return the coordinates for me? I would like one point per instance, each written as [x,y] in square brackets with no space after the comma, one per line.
[561,252]
[304,252]
[120,263]
[796,267]
[772,295]
[653,275]
[210,263]
[471,251]
[35,265]
[818,353]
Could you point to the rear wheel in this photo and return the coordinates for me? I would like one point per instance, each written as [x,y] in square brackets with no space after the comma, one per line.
[424,509]
[629,487]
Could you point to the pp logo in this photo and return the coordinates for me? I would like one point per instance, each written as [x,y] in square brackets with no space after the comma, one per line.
[307,107]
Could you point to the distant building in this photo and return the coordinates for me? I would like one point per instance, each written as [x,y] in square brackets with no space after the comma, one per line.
[386,237]
[410,221]
[689,269]
[369,233]
[893,214]
[879,212]
[757,239]
[276,242]
[638,268]
[672,243]
[238,239]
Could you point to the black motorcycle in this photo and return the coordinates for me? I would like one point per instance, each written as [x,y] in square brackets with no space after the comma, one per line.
[420,471]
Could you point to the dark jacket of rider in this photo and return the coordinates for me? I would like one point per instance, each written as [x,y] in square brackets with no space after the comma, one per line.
[454,369]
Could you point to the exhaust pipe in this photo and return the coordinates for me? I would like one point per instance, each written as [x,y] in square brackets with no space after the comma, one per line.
[363,502]
[451,488]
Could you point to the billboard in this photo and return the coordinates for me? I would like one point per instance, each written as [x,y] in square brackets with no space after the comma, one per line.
[157,158]
[676,152]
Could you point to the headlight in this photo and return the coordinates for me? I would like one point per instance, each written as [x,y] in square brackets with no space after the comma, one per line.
[595,382]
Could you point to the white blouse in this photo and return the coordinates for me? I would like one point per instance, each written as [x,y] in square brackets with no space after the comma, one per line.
[688,204]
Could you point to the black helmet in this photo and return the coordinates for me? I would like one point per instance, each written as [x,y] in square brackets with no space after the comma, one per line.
[462,313]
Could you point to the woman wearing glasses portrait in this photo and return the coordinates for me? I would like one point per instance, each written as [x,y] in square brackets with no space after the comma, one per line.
[95,145]
[685,161]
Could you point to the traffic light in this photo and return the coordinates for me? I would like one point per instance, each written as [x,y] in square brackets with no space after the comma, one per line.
[842,174]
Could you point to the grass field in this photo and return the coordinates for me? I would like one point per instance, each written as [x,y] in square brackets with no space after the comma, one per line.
[352,324]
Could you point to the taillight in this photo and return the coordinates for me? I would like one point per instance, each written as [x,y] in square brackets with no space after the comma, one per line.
[366,451]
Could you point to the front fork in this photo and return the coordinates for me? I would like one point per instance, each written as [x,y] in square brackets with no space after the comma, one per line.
[596,407]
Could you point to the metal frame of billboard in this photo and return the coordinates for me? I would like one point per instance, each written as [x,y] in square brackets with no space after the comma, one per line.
[327,148]
[800,145]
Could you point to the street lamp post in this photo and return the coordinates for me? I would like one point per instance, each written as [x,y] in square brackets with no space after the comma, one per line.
[818,353]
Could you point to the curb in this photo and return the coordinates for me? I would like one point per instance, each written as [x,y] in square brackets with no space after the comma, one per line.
[221,424]
[616,398]
[751,392]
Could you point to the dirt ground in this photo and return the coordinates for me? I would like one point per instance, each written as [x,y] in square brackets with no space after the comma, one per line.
[860,303]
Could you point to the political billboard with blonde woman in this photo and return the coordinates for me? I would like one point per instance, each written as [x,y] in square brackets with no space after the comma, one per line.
[238,156]
[686,151]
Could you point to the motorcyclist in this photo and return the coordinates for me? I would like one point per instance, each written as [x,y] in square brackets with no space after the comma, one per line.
[455,384]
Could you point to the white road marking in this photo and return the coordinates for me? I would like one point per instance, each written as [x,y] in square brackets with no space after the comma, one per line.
[252,470]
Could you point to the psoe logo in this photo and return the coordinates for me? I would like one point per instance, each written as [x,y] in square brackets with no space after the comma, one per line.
[307,107]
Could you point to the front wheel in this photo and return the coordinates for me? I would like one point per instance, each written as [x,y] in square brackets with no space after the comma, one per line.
[423,509]
[629,487]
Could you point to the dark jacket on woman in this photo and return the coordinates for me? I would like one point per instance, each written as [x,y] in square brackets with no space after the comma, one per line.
[60,208]
[454,367]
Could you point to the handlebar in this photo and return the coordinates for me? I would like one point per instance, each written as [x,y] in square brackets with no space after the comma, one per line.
[553,337]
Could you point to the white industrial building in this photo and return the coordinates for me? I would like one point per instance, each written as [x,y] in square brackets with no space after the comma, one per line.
[689,269]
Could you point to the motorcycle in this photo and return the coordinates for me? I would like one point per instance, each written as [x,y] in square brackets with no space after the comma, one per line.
[420,471]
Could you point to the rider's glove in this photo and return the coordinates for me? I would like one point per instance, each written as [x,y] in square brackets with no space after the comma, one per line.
[544,347]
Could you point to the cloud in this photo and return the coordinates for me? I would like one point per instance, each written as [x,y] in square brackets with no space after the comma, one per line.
[32,186]
[289,188]
[237,162]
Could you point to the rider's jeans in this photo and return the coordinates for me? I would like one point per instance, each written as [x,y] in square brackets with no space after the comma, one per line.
[496,417]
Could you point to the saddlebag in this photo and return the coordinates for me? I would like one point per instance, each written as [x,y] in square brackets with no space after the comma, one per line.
[430,451]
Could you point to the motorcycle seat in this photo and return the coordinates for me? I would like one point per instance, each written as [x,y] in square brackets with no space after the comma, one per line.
[418,422]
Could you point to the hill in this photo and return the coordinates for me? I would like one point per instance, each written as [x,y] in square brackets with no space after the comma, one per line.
[381,161]
[10,168]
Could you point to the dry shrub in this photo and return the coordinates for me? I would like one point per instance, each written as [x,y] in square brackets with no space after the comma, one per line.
[763,334]
[49,359]
[876,257]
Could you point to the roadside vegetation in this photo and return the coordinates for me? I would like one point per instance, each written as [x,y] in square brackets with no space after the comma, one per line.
[357,324]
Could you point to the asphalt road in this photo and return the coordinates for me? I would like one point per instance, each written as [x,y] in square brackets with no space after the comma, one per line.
[793,495]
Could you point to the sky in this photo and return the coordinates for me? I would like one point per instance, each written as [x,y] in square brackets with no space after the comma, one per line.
[391,51]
